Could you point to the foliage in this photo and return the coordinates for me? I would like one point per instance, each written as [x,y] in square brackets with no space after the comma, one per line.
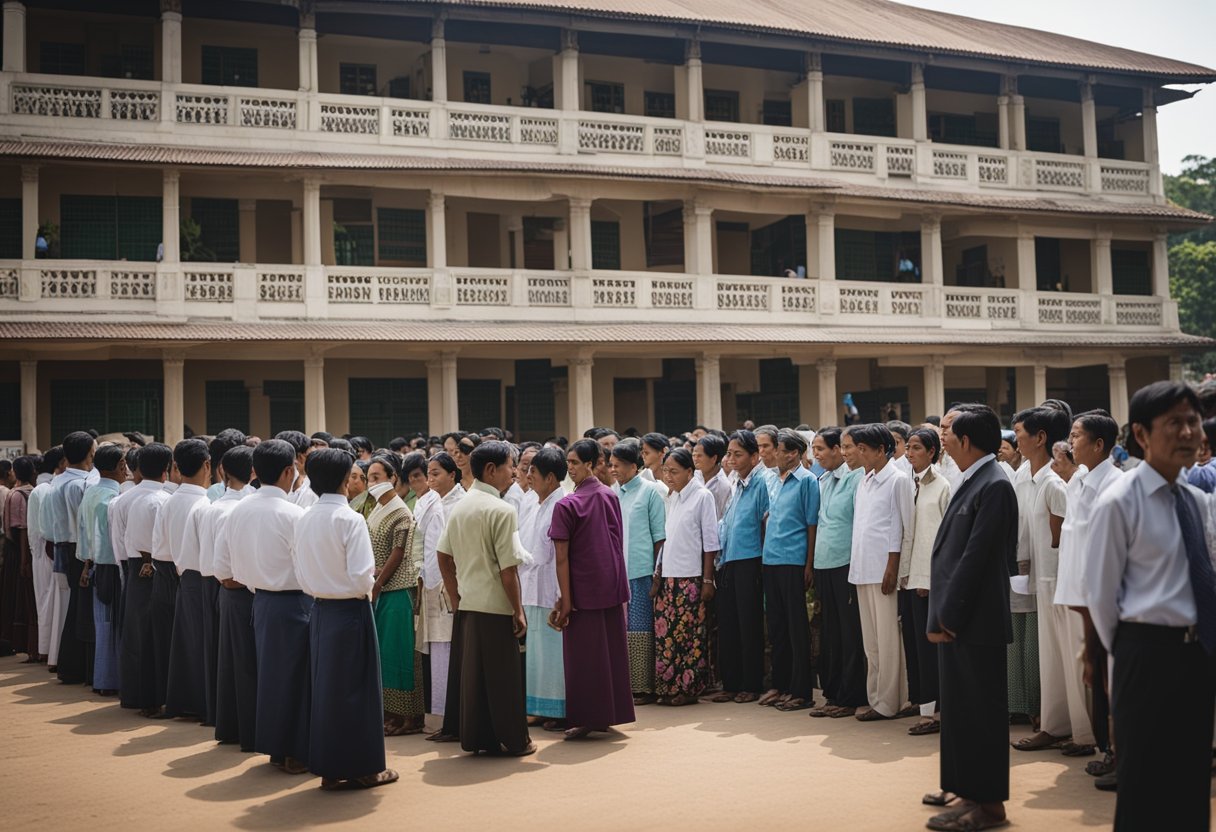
[191,241]
[1194,188]
[1193,256]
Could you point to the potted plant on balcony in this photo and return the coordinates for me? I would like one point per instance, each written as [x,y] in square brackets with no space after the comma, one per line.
[191,242]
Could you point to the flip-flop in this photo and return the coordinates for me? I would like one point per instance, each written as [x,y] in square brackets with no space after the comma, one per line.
[911,710]
[403,730]
[1036,744]
[795,704]
[1076,749]
[723,697]
[1097,768]
[939,798]
[843,711]
[382,779]
[745,697]
[822,711]
[871,716]
[968,822]
[921,729]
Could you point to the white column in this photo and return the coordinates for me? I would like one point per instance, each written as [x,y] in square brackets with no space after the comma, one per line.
[1017,113]
[171,42]
[248,230]
[1148,123]
[821,240]
[1002,120]
[920,111]
[1027,275]
[1116,373]
[1102,271]
[1161,265]
[515,230]
[696,88]
[174,392]
[314,394]
[451,399]
[434,397]
[827,393]
[817,118]
[709,390]
[307,39]
[582,411]
[312,222]
[698,237]
[935,386]
[29,209]
[931,270]
[29,404]
[580,234]
[437,232]
[1175,369]
[170,216]
[14,40]
[1040,383]
[439,63]
[1089,122]
[569,88]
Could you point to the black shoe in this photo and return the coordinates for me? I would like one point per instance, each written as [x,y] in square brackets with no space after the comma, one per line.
[1107,782]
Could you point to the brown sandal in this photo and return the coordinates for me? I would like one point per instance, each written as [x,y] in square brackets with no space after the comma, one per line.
[724,697]
[871,716]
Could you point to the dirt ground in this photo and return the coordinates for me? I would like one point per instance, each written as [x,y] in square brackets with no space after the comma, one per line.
[71,760]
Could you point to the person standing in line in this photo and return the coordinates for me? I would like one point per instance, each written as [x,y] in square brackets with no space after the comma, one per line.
[434,632]
[94,548]
[740,586]
[969,621]
[75,665]
[299,492]
[16,530]
[46,594]
[707,456]
[261,545]
[653,448]
[224,441]
[444,477]
[333,560]
[1152,599]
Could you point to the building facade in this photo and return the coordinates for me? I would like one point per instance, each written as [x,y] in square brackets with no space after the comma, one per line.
[380,217]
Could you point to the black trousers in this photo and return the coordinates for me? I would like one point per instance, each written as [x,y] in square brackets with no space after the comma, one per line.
[211,630]
[907,633]
[164,606]
[740,606]
[922,655]
[187,686]
[975,721]
[1163,697]
[76,644]
[789,631]
[236,695]
[491,704]
[137,670]
[842,658]
[451,713]
[1099,716]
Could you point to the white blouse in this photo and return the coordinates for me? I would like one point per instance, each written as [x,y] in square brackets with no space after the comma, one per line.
[538,579]
[692,530]
[919,535]
[429,518]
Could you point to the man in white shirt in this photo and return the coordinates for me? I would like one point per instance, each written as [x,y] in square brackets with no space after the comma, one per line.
[185,691]
[75,660]
[707,456]
[1152,599]
[334,564]
[900,431]
[141,506]
[544,665]
[47,596]
[261,543]
[299,492]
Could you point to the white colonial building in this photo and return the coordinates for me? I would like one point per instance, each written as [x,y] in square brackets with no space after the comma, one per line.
[386,216]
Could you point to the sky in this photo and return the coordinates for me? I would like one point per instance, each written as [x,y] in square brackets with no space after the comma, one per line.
[1180,29]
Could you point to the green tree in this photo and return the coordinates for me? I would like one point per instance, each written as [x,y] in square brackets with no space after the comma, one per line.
[1194,188]
[1193,256]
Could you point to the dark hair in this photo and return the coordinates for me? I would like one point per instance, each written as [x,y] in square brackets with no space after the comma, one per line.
[448,464]
[1010,437]
[51,460]
[899,428]
[76,446]
[746,440]
[681,456]
[133,458]
[1060,405]
[553,461]
[272,457]
[930,440]
[936,421]
[1209,431]
[605,453]
[469,443]
[1100,427]
[342,445]
[223,441]
[362,443]
[388,462]
[107,458]
[154,460]
[297,440]
[25,468]
[713,446]
[627,451]
[875,435]
[238,463]
[394,444]
[791,440]
[190,456]
[489,452]
[1150,402]
[980,424]
[5,467]
[831,436]
[327,469]
[323,435]
[414,461]
[1051,421]
[587,450]
[655,440]
[700,427]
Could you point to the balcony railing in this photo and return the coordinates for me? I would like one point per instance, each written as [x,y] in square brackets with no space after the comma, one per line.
[215,291]
[197,115]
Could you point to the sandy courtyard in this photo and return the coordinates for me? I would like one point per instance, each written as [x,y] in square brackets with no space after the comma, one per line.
[70,760]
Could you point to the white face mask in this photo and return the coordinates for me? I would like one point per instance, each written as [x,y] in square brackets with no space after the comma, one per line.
[380,489]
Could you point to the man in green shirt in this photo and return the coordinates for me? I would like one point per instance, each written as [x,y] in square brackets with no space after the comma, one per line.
[479,563]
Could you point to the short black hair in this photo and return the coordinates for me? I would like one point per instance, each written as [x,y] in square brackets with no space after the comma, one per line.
[133,458]
[681,456]
[874,435]
[627,451]
[25,468]
[1157,398]
[713,446]
[587,450]
[929,438]
[1100,426]
[323,434]
[831,436]
[657,441]
[791,440]
[6,465]
[190,456]
[900,428]
[1051,421]
[225,439]
[746,440]
[76,446]
[327,469]
[342,445]
[51,460]
[980,424]
[272,457]
[553,461]
[394,444]
[107,458]
[362,443]
[936,421]
[388,462]
[154,460]
[414,461]
[445,461]
[238,463]
[1060,405]
[299,442]
[489,452]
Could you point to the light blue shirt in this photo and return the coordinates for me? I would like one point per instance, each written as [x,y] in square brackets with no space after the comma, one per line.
[741,530]
[795,509]
[59,511]
[93,523]
[644,518]
[215,491]
[834,536]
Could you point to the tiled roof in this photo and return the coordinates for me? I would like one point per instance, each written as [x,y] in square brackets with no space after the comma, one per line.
[877,22]
[510,332]
[311,160]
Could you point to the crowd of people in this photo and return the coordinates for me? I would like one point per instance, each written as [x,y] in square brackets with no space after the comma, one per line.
[308,596]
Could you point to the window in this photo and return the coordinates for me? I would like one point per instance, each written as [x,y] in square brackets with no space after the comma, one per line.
[109,227]
[874,116]
[606,98]
[227,406]
[534,398]
[660,104]
[479,402]
[383,408]
[402,235]
[357,79]
[836,123]
[978,130]
[1043,134]
[973,271]
[777,401]
[230,66]
[477,87]
[676,408]
[106,405]
[872,255]
[538,243]
[399,87]
[354,236]
[721,105]
[1047,264]
[778,246]
[61,58]
[664,236]
[778,113]
[128,62]
[10,229]
[286,405]
[220,228]
[10,410]
[1132,271]
[605,244]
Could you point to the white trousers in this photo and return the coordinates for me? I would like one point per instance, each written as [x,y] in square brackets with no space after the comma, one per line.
[43,595]
[61,595]
[441,654]
[1061,640]
[886,687]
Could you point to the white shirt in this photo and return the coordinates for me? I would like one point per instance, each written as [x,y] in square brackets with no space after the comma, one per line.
[126,486]
[1047,497]
[1082,491]
[929,506]
[903,464]
[303,496]
[452,498]
[648,475]
[884,499]
[218,517]
[169,487]
[146,500]
[171,524]
[203,537]
[429,519]
[117,511]
[260,538]
[538,579]
[1136,567]
[692,530]
[33,509]
[718,485]
[333,551]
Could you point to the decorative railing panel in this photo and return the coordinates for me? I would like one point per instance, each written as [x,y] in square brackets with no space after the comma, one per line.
[1138,313]
[611,136]
[948,164]
[210,287]
[69,283]
[901,160]
[133,285]
[59,102]
[1120,179]
[534,130]
[483,290]
[201,109]
[671,293]
[281,287]
[743,296]
[614,292]
[1066,310]
[1056,173]
[858,300]
[267,112]
[733,144]
[548,291]
[411,123]
[852,156]
[798,297]
[479,127]
[350,120]
[993,170]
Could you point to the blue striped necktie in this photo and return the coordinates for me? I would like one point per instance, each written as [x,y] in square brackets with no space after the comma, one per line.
[1203,578]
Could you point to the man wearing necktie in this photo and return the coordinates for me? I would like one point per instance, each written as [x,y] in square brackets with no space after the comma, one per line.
[1152,596]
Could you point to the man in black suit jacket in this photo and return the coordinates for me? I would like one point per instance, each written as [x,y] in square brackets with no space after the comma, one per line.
[969,620]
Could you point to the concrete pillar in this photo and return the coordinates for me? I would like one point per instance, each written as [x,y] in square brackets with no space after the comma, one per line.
[821,244]
[314,394]
[439,63]
[709,390]
[696,87]
[920,110]
[14,39]
[29,404]
[1100,264]
[931,269]
[1161,265]
[1148,123]
[312,222]
[1089,121]
[1003,121]
[170,43]
[1027,274]
[582,406]
[1116,373]
[434,397]
[437,233]
[569,87]
[29,202]
[171,216]
[1017,113]
[515,232]
[698,237]
[935,386]
[828,413]
[174,403]
[1031,386]
[816,116]
[1175,369]
[580,234]
[451,400]
[248,230]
